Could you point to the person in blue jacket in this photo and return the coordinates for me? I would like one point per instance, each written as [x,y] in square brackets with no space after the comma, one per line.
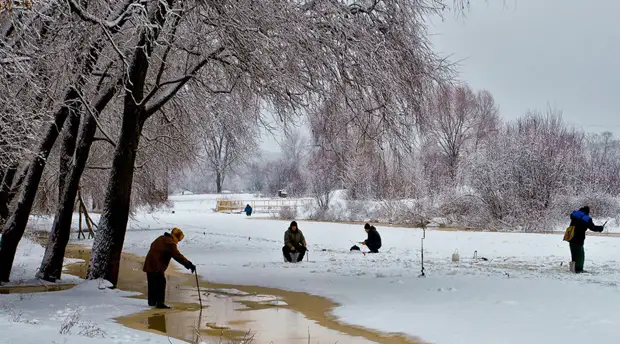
[248,210]
[582,221]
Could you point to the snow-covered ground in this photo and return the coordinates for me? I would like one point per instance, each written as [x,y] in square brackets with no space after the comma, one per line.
[83,314]
[523,293]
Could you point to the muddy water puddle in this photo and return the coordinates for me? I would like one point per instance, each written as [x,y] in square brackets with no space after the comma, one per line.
[26,289]
[234,314]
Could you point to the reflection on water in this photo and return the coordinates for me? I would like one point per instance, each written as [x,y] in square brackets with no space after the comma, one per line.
[157,322]
[264,318]
[235,313]
[34,288]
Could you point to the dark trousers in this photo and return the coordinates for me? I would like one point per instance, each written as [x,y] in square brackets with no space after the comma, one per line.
[156,286]
[287,253]
[577,255]
[373,249]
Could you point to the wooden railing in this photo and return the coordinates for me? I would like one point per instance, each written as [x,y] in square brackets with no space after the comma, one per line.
[271,205]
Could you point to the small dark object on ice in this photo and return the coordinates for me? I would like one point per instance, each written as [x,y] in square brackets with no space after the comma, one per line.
[481,258]
[162,306]
[248,238]
[173,211]
[324,250]
[355,248]
[507,274]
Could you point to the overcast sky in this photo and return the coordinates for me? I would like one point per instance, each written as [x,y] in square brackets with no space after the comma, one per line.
[530,53]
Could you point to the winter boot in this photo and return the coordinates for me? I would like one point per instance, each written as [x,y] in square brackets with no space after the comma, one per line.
[572,266]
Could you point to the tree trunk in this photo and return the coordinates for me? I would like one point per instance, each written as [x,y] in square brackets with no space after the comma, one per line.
[17,185]
[218,181]
[106,253]
[51,265]
[108,245]
[68,148]
[5,190]
[16,224]
[2,174]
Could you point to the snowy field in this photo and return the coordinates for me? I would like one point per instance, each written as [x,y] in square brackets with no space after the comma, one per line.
[523,293]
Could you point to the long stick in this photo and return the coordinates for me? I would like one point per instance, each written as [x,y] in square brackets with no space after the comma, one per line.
[422,251]
[198,286]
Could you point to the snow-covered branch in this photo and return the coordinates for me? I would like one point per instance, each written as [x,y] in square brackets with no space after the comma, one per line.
[154,101]
[114,23]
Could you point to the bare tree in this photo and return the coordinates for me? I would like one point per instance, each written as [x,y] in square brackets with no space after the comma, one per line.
[456,119]
[323,180]
[228,133]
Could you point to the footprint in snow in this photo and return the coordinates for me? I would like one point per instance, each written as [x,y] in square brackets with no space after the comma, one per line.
[447,289]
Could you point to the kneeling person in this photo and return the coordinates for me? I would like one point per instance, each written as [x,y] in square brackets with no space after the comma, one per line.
[162,250]
[374,239]
[294,241]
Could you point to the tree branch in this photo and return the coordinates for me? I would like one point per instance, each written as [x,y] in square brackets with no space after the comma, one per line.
[110,167]
[178,84]
[95,117]
[110,24]
[17,59]
[104,139]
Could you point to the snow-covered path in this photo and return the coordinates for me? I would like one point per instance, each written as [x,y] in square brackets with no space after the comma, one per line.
[520,295]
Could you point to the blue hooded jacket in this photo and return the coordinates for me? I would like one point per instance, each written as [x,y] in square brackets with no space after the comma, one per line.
[582,222]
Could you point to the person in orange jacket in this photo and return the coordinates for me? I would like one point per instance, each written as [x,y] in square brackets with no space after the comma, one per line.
[157,260]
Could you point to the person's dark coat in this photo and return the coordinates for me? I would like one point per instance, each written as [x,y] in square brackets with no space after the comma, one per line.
[294,238]
[248,210]
[374,239]
[582,221]
[162,250]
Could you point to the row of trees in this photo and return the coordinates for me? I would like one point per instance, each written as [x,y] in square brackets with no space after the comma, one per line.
[460,162]
[114,97]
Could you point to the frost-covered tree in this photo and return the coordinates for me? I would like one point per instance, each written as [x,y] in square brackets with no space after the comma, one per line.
[372,54]
[527,170]
[457,119]
[288,55]
[227,133]
[73,43]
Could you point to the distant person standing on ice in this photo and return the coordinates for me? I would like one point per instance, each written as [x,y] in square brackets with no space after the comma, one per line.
[294,241]
[374,239]
[248,210]
[162,250]
[580,222]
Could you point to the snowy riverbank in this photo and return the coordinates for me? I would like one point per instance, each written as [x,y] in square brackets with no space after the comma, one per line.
[521,294]
[82,314]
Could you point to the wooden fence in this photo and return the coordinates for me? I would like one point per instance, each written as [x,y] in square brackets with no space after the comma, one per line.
[260,206]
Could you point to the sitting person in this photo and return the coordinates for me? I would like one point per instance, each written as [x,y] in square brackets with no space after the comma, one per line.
[294,241]
[374,239]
